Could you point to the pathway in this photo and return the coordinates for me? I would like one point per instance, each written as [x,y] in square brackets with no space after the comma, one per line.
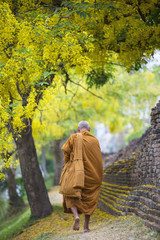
[103,226]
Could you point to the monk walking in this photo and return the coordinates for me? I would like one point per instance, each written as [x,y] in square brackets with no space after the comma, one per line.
[82,174]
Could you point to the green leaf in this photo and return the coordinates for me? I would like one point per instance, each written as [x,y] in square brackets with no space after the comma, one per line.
[46,74]
[13,104]
[2,64]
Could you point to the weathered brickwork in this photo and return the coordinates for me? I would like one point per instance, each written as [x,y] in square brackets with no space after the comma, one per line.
[131,182]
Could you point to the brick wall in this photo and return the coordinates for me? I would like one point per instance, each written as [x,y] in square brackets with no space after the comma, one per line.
[131,182]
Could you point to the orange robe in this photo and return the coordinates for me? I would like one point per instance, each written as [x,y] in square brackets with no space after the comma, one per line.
[93,172]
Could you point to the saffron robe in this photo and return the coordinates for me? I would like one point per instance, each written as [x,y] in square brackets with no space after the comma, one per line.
[93,173]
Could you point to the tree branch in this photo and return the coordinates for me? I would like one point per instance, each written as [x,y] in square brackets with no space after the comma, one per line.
[117,64]
[4,50]
[139,10]
[33,9]
[25,95]
[78,84]
[40,88]
[141,14]
[57,10]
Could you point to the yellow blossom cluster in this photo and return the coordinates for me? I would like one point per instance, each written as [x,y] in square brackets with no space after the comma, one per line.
[42,41]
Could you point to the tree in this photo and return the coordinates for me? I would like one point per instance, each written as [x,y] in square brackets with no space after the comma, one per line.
[31,56]
[15,201]
[58,161]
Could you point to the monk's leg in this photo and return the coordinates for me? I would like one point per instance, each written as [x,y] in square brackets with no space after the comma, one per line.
[76,218]
[86,223]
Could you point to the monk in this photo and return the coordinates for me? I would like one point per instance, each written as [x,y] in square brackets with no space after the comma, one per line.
[93,174]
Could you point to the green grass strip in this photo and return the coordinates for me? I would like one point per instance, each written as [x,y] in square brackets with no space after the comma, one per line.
[14,225]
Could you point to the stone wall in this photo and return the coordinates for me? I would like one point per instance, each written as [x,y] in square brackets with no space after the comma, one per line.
[131,182]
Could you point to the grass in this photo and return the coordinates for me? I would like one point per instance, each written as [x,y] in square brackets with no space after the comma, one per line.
[13,225]
[44,236]
[4,206]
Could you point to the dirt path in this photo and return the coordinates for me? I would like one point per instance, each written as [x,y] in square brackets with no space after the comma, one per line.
[54,196]
[103,226]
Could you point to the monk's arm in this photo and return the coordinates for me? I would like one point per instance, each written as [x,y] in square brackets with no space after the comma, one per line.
[67,148]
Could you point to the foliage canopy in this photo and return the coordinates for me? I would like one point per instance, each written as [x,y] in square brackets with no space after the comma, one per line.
[43,43]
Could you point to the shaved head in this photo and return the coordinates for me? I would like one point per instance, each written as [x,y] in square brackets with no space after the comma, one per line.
[83,125]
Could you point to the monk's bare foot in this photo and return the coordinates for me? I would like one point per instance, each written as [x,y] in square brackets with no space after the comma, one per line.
[86,230]
[76,224]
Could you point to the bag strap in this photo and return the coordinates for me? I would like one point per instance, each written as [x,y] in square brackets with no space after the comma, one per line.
[78,147]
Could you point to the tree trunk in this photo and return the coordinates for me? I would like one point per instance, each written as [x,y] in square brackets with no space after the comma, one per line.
[16,202]
[32,176]
[44,163]
[58,161]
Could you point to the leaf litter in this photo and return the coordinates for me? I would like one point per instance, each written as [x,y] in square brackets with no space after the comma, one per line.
[103,226]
